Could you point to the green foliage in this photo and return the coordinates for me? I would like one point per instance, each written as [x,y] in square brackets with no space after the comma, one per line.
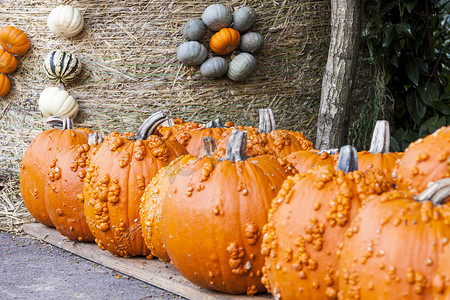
[410,40]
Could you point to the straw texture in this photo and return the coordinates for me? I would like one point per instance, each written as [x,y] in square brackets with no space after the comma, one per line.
[130,70]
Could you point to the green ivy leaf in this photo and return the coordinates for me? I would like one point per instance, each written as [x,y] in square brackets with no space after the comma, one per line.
[442,107]
[387,8]
[410,5]
[412,71]
[388,35]
[416,107]
[394,60]
[404,27]
[428,94]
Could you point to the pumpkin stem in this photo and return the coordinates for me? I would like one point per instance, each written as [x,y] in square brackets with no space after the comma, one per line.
[209,146]
[381,138]
[95,138]
[68,123]
[216,123]
[149,126]
[437,192]
[56,121]
[236,146]
[348,159]
[329,151]
[266,120]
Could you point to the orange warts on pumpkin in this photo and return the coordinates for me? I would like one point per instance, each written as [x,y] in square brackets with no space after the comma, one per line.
[235,262]
[251,233]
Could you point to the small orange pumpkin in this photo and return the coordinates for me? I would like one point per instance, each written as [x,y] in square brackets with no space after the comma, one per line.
[8,63]
[225,41]
[14,40]
[5,85]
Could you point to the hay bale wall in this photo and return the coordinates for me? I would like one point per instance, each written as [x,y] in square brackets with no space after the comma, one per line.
[128,49]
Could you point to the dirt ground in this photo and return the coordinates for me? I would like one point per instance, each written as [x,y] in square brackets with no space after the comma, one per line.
[32,269]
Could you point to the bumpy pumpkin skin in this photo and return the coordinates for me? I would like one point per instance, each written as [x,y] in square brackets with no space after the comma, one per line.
[382,161]
[392,250]
[301,252]
[64,183]
[223,207]
[443,275]
[424,160]
[36,163]
[14,40]
[303,160]
[276,142]
[195,143]
[151,206]
[115,181]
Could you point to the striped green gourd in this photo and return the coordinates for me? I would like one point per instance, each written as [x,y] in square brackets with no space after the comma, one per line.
[61,66]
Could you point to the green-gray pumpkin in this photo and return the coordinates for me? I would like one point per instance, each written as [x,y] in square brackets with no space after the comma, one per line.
[61,66]
[217,16]
[214,67]
[193,30]
[191,53]
[251,42]
[241,66]
[244,18]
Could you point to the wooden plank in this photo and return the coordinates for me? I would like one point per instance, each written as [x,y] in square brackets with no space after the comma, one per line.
[151,271]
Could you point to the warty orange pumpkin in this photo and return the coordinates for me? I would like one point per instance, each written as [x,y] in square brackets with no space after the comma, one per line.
[394,247]
[37,159]
[378,156]
[64,183]
[425,160]
[307,223]
[223,206]
[115,181]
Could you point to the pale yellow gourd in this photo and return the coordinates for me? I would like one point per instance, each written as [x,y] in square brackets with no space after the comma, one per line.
[54,101]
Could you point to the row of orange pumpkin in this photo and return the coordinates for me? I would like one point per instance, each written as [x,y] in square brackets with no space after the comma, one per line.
[253,214]
[13,42]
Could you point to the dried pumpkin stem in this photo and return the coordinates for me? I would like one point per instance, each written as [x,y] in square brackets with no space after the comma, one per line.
[68,123]
[149,126]
[236,146]
[381,137]
[209,146]
[216,123]
[56,121]
[95,138]
[329,151]
[348,159]
[437,192]
[266,120]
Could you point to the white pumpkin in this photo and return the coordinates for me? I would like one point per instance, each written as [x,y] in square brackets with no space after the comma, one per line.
[65,21]
[54,101]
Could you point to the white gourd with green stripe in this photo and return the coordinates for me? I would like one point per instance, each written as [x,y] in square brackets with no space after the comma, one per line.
[61,66]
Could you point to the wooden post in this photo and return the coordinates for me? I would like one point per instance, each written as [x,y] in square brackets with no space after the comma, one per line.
[333,120]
